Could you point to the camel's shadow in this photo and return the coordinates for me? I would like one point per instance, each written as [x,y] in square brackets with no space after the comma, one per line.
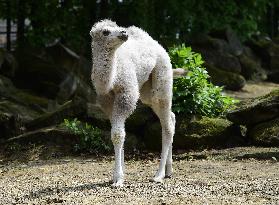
[48,191]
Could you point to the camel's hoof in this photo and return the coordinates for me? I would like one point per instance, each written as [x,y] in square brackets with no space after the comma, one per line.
[157,179]
[168,176]
[117,183]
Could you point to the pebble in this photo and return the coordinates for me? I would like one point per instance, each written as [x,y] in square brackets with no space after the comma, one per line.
[194,182]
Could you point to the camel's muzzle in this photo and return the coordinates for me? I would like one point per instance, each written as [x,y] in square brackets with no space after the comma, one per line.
[123,36]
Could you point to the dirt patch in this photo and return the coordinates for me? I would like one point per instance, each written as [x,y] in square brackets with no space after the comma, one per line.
[230,176]
[253,89]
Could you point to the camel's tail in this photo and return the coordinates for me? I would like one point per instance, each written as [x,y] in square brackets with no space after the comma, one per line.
[179,72]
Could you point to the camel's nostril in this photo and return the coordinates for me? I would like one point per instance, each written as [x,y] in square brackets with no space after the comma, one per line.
[123,32]
[123,36]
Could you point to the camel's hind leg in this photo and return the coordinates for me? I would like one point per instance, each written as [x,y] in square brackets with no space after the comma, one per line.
[169,158]
[146,98]
[162,109]
[161,104]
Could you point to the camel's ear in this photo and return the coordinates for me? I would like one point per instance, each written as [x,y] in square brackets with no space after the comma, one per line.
[92,31]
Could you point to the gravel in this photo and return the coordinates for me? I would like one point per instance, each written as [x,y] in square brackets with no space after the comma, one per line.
[209,177]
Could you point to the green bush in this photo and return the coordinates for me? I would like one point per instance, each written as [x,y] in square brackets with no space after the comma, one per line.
[194,94]
[91,139]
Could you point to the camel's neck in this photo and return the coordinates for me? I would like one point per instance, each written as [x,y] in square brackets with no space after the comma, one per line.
[104,69]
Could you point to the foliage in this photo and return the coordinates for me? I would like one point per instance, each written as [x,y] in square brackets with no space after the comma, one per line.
[194,94]
[168,21]
[91,139]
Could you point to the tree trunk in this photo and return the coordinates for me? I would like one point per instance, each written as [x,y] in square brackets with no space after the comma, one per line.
[276,21]
[20,23]
[8,18]
[104,9]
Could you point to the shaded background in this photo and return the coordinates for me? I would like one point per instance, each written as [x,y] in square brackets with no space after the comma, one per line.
[45,66]
[40,22]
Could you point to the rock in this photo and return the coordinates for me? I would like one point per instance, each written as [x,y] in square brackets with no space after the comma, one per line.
[8,63]
[10,125]
[132,143]
[197,134]
[234,42]
[40,76]
[152,137]
[17,107]
[223,61]
[257,110]
[55,72]
[227,34]
[265,134]
[139,119]
[251,69]
[70,109]
[206,133]
[47,135]
[217,52]
[208,42]
[96,116]
[273,77]
[268,51]
[57,140]
[45,143]
[25,113]
[10,93]
[79,69]
[76,108]
[229,80]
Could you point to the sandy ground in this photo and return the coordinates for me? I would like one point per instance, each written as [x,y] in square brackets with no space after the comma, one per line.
[253,89]
[229,176]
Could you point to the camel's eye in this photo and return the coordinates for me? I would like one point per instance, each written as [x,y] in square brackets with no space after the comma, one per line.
[106,33]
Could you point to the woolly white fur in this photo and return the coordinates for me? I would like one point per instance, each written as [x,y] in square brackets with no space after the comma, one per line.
[129,65]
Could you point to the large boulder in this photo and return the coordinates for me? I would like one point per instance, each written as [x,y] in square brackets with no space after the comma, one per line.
[217,52]
[70,109]
[268,51]
[229,80]
[266,133]
[44,143]
[251,66]
[17,107]
[196,134]
[257,110]
[220,54]
[233,42]
[8,63]
[9,125]
[55,72]
[273,77]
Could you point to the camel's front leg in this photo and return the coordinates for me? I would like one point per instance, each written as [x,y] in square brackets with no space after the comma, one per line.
[123,106]
[118,137]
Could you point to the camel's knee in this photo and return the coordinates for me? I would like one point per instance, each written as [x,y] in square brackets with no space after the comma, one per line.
[173,123]
[168,129]
[173,118]
[125,103]
[168,136]
[117,136]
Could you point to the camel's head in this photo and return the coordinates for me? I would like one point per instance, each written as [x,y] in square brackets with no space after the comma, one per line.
[109,33]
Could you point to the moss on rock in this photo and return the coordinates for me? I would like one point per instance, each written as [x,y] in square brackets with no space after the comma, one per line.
[265,134]
[251,69]
[257,110]
[206,133]
[229,80]
[196,134]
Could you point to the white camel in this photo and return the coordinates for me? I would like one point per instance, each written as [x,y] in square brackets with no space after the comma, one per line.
[129,65]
